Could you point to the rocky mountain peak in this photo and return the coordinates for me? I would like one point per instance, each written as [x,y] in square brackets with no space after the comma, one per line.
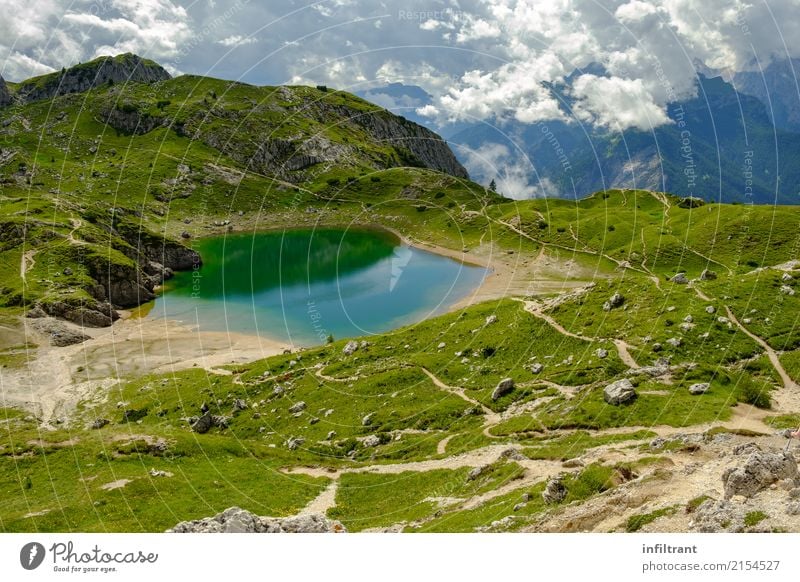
[119,69]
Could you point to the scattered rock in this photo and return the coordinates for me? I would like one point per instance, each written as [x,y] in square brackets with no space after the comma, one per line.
[367,420]
[759,471]
[536,368]
[786,277]
[350,348]
[688,319]
[99,423]
[680,278]
[674,342]
[239,405]
[372,441]
[237,520]
[491,319]
[331,435]
[619,392]
[295,443]
[505,386]
[699,388]
[708,275]
[710,309]
[601,353]
[297,407]
[613,302]
[554,491]
[786,290]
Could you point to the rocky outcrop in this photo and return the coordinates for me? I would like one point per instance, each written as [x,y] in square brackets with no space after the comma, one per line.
[81,312]
[237,520]
[425,146]
[6,98]
[127,118]
[759,470]
[104,70]
[619,392]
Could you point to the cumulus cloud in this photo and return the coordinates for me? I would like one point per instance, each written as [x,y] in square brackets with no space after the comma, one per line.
[513,173]
[648,51]
[48,34]
[615,63]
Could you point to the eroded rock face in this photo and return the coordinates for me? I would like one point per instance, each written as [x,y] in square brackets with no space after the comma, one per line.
[237,520]
[619,392]
[758,471]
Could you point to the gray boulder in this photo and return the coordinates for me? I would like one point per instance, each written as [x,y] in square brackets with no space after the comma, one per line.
[759,471]
[613,302]
[680,278]
[699,388]
[707,275]
[297,407]
[555,491]
[350,348]
[372,441]
[505,386]
[619,392]
[237,520]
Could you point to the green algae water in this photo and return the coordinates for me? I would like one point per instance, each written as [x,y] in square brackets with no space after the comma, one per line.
[300,286]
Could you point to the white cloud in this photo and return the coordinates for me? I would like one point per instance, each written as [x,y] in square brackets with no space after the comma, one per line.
[514,174]
[40,36]
[616,103]
[236,40]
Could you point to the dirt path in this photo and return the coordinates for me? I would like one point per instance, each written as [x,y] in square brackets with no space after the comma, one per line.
[26,264]
[788,399]
[455,390]
[623,348]
[441,446]
[324,501]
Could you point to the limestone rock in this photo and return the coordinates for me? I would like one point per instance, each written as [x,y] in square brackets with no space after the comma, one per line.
[350,348]
[699,388]
[601,353]
[297,407]
[680,278]
[619,392]
[708,275]
[759,471]
[505,386]
[554,491]
[237,520]
[372,441]
[613,302]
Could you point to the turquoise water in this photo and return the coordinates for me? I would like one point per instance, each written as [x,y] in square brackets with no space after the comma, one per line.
[300,286]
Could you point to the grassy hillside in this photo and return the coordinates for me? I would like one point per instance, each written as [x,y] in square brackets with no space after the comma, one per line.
[407,432]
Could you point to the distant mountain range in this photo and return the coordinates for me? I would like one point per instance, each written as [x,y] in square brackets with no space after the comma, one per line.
[738,140]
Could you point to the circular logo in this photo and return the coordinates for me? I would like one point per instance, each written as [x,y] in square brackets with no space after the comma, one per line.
[31,555]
